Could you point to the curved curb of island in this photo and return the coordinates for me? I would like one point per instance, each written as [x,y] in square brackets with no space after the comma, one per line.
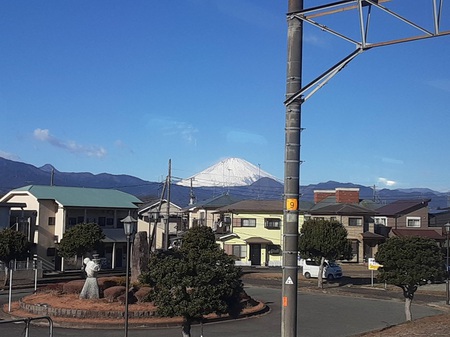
[135,323]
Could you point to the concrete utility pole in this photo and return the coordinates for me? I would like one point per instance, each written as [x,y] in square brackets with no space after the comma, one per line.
[292,172]
[167,220]
[296,95]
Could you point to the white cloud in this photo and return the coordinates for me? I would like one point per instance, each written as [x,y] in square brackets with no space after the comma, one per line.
[386,182]
[44,135]
[245,137]
[9,156]
[122,146]
[392,161]
[440,84]
[173,128]
[314,40]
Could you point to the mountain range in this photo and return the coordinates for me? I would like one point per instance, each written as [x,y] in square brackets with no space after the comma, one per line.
[243,180]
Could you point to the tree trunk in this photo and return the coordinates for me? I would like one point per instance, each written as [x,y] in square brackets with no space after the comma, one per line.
[320,276]
[408,309]
[186,327]
[408,293]
[5,282]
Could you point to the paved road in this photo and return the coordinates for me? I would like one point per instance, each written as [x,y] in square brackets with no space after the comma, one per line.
[319,315]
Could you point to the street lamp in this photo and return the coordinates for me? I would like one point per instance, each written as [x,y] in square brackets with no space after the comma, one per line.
[128,227]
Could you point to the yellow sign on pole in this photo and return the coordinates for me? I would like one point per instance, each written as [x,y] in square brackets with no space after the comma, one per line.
[292,204]
[373,265]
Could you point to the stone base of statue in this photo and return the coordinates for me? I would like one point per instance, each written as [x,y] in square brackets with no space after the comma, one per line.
[90,289]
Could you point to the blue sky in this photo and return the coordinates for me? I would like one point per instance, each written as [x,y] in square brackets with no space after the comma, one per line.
[123,86]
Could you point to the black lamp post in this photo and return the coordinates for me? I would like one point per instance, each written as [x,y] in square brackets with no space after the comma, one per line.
[129,228]
[447,292]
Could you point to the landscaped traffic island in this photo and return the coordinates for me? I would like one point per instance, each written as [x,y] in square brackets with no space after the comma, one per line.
[63,304]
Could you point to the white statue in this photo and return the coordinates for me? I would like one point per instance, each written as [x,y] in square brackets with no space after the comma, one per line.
[90,288]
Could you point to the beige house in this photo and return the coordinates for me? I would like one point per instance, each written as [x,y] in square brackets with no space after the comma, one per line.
[204,213]
[253,231]
[152,219]
[48,211]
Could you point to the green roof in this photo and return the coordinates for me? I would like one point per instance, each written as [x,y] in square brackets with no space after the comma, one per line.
[82,197]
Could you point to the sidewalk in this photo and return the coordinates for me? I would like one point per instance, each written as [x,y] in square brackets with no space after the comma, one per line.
[357,281]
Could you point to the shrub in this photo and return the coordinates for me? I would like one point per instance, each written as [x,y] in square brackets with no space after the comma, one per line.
[73,287]
[142,294]
[112,293]
[55,288]
[108,282]
[131,298]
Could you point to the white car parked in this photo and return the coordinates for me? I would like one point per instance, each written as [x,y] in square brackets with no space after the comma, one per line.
[331,270]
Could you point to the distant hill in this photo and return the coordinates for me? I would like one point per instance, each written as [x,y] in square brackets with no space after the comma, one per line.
[15,174]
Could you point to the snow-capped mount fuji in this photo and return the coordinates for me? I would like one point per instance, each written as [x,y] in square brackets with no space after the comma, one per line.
[227,172]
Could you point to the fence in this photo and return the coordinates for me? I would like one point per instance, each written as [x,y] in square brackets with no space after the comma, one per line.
[23,265]
[27,322]
[24,271]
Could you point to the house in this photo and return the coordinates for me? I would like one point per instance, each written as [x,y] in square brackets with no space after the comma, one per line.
[408,218]
[439,217]
[152,219]
[5,214]
[203,213]
[254,235]
[344,205]
[44,213]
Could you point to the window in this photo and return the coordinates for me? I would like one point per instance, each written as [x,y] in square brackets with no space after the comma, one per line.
[240,251]
[51,220]
[248,222]
[413,222]
[381,220]
[354,221]
[272,223]
[51,251]
[274,249]
[101,221]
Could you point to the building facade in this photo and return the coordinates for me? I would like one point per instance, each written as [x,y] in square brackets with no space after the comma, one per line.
[48,211]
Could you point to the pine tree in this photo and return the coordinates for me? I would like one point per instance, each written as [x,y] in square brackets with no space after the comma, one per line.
[195,280]
[322,240]
[409,262]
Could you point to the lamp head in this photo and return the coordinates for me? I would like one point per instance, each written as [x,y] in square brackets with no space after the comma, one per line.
[128,225]
[447,228]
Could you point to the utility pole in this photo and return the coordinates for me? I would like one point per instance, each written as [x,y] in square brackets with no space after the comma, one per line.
[166,223]
[292,172]
[52,176]
[192,199]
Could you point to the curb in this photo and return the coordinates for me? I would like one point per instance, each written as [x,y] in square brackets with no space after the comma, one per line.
[135,323]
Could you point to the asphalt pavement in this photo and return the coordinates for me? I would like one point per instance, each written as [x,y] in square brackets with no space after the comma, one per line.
[346,307]
[319,314]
